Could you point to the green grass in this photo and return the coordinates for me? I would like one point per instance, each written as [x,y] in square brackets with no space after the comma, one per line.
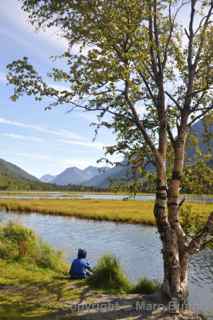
[27,291]
[109,276]
[33,278]
[146,286]
[109,210]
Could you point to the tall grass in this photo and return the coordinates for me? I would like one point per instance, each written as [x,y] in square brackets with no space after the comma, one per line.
[108,275]
[146,286]
[20,244]
[108,210]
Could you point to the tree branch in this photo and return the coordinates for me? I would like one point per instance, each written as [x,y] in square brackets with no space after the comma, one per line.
[196,244]
[172,25]
[182,201]
[173,99]
[156,36]
[191,70]
[171,137]
[139,122]
[200,116]
[205,25]
[151,42]
[148,88]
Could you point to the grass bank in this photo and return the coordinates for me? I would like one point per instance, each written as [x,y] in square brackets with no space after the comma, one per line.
[34,284]
[32,277]
[130,211]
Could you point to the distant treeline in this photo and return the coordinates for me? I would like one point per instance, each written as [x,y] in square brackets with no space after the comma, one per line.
[197,179]
[8,183]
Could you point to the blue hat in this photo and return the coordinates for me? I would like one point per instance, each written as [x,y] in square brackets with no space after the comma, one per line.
[82,253]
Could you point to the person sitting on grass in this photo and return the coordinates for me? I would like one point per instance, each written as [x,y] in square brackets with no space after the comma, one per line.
[80,267]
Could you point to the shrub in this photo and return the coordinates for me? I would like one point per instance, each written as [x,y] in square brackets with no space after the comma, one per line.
[109,276]
[18,243]
[146,286]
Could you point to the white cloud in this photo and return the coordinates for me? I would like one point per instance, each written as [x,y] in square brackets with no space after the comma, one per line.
[84,143]
[66,136]
[61,133]
[11,10]
[22,137]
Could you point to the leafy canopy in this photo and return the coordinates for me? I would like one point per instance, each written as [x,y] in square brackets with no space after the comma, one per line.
[131,59]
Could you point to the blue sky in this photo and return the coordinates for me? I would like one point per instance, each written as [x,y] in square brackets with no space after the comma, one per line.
[40,141]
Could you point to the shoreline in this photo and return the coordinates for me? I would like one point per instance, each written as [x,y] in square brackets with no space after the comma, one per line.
[37,288]
[131,211]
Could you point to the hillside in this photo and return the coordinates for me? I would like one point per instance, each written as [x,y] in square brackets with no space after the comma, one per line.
[13,177]
[8,169]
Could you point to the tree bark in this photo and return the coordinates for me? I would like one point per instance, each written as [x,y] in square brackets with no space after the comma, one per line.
[162,220]
[175,255]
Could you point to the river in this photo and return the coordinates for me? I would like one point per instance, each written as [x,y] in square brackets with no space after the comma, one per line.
[137,247]
[99,196]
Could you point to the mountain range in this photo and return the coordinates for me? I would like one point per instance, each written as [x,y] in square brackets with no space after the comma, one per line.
[75,176]
[13,177]
[101,177]
[90,176]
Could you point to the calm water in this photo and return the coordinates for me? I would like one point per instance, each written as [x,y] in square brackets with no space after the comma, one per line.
[136,246]
[98,196]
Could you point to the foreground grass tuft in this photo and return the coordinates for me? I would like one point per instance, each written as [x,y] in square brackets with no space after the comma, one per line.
[21,245]
[146,286]
[108,275]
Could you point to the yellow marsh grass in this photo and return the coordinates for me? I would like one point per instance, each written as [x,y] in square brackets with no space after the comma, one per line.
[112,210]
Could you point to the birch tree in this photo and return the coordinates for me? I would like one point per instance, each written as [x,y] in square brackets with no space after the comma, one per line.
[146,68]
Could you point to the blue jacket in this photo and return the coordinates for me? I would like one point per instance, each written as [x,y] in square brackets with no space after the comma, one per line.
[79,268]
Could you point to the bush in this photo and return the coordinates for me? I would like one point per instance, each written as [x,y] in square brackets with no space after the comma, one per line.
[109,276]
[18,243]
[146,286]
